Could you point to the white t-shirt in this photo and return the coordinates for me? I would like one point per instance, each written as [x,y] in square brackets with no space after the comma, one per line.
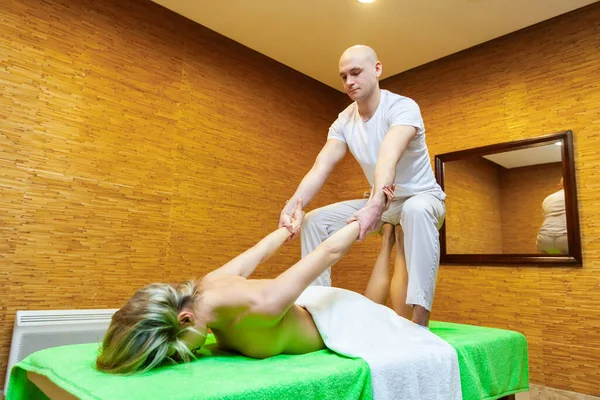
[555,219]
[414,174]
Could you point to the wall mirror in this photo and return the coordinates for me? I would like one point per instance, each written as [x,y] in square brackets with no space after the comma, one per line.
[511,203]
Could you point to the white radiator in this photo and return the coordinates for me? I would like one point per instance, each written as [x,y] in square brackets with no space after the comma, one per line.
[38,330]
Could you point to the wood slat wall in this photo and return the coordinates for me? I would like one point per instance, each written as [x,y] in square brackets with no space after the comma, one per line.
[137,146]
[540,80]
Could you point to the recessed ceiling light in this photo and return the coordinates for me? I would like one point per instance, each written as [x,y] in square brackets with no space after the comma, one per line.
[558,143]
[366,1]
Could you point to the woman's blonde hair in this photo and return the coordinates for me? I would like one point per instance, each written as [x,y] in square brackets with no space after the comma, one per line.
[146,331]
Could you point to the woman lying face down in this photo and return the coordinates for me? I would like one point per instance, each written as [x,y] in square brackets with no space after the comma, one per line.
[164,323]
[257,318]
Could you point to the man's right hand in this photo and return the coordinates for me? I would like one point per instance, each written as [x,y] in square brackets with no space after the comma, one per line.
[291,217]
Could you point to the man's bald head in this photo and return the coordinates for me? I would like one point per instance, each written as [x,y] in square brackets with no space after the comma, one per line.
[360,71]
[360,52]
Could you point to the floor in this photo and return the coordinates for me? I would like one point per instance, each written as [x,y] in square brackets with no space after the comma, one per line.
[545,393]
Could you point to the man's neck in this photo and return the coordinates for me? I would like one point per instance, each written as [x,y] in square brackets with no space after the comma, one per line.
[367,107]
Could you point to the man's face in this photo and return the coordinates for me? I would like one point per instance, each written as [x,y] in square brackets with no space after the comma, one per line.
[359,75]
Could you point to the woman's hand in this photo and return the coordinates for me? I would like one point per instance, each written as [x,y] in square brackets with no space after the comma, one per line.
[297,218]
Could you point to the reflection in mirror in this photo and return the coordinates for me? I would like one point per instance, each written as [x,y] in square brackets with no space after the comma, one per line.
[511,203]
[506,203]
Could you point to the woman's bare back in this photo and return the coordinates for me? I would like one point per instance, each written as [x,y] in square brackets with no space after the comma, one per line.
[240,326]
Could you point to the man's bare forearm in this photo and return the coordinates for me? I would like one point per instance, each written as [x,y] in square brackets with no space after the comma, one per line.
[331,154]
[385,175]
[309,187]
[391,150]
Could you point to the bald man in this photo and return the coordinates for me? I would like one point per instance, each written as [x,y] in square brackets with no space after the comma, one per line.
[384,132]
[552,237]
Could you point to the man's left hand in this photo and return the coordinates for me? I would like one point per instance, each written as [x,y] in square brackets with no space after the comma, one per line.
[369,216]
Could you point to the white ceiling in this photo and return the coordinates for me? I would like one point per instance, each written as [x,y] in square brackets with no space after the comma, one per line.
[310,35]
[526,157]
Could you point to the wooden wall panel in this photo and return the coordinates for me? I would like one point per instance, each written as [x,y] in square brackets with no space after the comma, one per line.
[246,142]
[522,191]
[157,199]
[537,81]
[137,146]
[473,208]
[20,75]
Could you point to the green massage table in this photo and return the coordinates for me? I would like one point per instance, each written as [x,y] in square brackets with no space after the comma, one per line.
[493,365]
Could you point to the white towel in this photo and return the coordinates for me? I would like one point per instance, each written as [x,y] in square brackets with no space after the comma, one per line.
[406,360]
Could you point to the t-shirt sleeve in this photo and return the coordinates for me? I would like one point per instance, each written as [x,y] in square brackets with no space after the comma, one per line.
[406,112]
[336,130]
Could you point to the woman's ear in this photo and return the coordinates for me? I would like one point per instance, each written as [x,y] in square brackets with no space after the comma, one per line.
[186,318]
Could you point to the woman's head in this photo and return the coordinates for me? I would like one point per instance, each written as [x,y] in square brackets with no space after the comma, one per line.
[155,325]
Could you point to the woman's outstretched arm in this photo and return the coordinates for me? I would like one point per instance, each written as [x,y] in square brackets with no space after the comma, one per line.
[245,264]
[283,291]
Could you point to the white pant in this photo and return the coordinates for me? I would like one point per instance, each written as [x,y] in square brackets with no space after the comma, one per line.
[420,216]
[552,244]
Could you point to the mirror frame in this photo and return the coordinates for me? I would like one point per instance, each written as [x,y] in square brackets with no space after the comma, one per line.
[572,210]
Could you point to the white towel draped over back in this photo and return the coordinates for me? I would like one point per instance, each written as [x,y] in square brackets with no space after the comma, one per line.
[406,360]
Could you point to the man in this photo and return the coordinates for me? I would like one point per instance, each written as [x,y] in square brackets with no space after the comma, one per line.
[552,237]
[385,133]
